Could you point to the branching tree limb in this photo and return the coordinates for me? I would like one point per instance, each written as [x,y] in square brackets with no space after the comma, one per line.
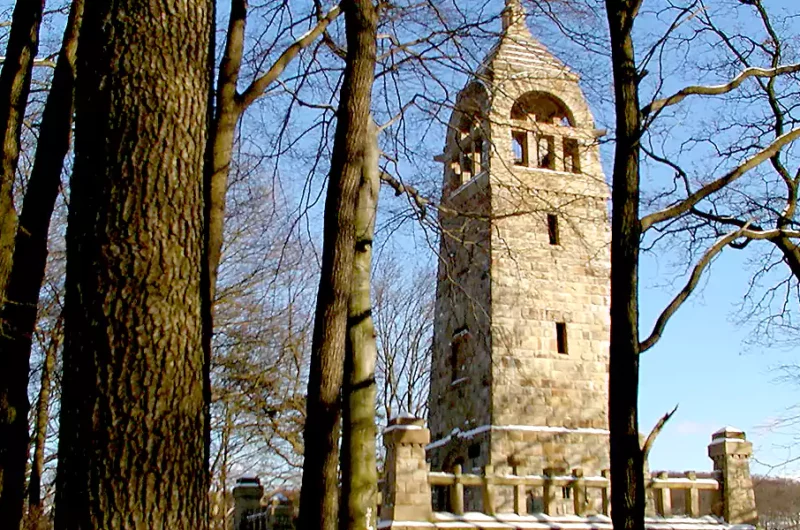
[689,202]
[694,278]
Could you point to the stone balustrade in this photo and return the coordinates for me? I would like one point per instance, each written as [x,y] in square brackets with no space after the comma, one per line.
[408,487]
[550,485]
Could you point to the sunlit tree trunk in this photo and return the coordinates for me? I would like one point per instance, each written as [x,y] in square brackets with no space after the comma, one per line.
[15,83]
[35,504]
[132,424]
[359,473]
[319,493]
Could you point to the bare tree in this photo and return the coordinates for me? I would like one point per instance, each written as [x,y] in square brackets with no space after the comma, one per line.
[15,80]
[778,502]
[359,507]
[18,313]
[628,226]
[262,338]
[404,324]
[133,358]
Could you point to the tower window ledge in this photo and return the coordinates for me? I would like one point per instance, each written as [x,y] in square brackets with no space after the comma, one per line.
[459,381]
[474,180]
[547,169]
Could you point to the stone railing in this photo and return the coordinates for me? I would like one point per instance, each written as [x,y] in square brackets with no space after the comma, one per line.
[552,488]
[249,512]
[409,486]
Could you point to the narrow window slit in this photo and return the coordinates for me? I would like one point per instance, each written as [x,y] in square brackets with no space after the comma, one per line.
[561,337]
[572,159]
[552,229]
[519,144]
[546,152]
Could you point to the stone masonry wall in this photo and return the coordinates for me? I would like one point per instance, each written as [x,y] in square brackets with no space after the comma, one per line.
[460,396]
[537,284]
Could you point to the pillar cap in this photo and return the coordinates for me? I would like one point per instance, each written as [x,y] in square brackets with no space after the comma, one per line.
[729,432]
[729,441]
[406,419]
[248,487]
[406,430]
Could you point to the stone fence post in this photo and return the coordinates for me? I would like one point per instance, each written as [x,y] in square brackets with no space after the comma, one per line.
[406,491]
[730,451]
[246,499]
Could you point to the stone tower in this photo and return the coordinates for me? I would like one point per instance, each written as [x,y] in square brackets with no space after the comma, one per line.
[521,335]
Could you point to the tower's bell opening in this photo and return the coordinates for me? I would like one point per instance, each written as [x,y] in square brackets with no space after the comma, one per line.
[470,155]
[542,108]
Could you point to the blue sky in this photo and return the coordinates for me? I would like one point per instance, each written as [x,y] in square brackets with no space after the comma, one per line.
[703,364]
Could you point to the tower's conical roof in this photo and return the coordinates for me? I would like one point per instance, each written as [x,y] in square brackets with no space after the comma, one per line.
[517,49]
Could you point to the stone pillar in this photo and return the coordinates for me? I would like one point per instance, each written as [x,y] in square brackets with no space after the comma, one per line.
[730,451]
[246,499]
[406,491]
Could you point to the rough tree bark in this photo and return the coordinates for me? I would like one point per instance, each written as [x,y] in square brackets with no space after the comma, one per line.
[359,471]
[131,447]
[627,460]
[18,314]
[319,495]
[15,83]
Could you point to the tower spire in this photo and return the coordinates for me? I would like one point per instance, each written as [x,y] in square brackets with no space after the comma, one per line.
[513,16]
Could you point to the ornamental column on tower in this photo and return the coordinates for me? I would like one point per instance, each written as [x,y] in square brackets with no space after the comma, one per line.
[521,334]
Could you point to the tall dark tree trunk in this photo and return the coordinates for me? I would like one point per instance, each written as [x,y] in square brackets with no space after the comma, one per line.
[359,470]
[319,494]
[627,462]
[131,447]
[35,505]
[18,314]
[227,111]
[15,83]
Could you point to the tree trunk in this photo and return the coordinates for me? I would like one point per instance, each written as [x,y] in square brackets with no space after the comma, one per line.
[319,493]
[18,314]
[359,471]
[133,418]
[35,505]
[627,464]
[15,83]
[227,112]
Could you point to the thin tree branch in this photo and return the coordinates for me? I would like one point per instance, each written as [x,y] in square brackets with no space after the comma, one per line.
[257,87]
[715,90]
[396,117]
[697,272]
[420,201]
[688,203]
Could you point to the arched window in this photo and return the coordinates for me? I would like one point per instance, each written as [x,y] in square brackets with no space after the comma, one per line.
[542,108]
[541,138]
